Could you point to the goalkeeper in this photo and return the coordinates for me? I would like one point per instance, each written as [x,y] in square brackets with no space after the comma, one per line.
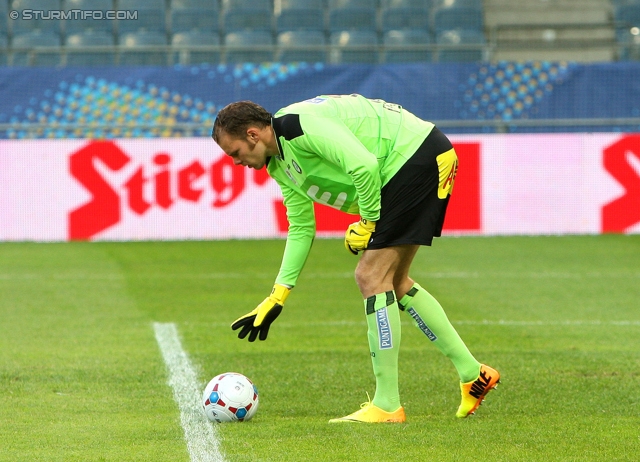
[372,158]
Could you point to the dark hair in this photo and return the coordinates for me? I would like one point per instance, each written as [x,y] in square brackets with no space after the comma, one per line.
[235,118]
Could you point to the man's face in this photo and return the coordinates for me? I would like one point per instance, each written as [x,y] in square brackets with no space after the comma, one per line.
[249,151]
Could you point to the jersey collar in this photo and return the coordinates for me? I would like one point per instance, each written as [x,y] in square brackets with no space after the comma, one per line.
[280,155]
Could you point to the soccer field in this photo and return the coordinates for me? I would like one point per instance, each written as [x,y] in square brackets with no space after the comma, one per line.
[83,377]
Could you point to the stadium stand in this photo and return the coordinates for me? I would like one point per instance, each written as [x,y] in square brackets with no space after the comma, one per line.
[400,46]
[458,37]
[188,47]
[131,54]
[81,49]
[185,18]
[248,46]
[405,14]
[574,30]
[72,26]
[151,16]
[301,45]
[247,15]
[352,15]
[48,55]
[353,46]
[306,15]
[26,25]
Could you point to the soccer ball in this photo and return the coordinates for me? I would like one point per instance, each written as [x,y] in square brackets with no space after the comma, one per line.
[230,397]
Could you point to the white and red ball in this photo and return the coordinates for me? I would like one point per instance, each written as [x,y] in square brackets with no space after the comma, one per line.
[230,397]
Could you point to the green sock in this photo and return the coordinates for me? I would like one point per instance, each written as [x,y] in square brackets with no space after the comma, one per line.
[383,321]
[431,319]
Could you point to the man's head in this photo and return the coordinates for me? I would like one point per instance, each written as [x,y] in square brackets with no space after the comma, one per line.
[243,131]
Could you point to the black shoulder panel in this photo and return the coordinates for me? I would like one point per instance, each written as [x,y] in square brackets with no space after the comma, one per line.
[288,126]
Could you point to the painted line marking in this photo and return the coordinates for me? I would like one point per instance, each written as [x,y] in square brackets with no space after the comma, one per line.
[203,442]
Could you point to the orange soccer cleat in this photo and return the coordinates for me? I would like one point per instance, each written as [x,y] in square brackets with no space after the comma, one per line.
[474,392]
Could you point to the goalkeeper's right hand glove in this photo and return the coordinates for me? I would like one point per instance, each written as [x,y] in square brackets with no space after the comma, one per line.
[258,321]
[358,235]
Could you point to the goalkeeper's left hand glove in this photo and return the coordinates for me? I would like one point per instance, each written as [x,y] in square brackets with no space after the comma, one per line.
[259,320]
[358,234]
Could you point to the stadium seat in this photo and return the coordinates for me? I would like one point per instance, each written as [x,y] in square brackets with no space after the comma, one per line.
[240,47]
[461,37]
[21,26]
[151,16]
[4,44]
[245,15]
[300,15]
[628,44]
[404,37]
[90,57]
[203,5]
[77,25]
[193,40]
[457,17]
[130,54]
[36,38]
[194,19]
[627,15]
[341,41]
[291,46]
[352,15]
[405,14]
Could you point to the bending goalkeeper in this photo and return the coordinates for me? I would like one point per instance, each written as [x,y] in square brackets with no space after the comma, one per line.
[375,159]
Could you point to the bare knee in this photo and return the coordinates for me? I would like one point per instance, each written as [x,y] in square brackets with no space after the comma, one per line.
[371,280]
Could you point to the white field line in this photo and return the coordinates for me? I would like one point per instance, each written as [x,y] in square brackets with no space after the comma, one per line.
[202,439]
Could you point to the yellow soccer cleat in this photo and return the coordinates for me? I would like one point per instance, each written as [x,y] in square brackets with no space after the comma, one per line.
[474,392]
[370,413]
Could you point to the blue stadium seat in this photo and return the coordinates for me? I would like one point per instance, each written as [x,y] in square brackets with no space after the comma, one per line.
[90,57]
[4,17]
[352,15]
[4,44]
[627,16]
[341,41]
[151,16]
[403,37]
[462,37]
[457,17]
[22,25]
[194,19]
[78,24]
[130,54]
[300,15]
[204,5]
[628,44]
[240,47]
[37,38]
[405,14]
[245,15]
[291,46]
[195,39]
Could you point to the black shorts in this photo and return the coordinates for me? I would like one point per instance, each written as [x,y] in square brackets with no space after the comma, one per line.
[414,201]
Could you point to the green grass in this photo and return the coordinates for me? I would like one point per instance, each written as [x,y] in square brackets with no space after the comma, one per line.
[82,378]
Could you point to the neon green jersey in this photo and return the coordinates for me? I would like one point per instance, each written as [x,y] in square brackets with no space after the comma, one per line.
[338,151]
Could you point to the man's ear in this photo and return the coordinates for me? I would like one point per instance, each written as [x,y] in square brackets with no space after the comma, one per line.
[253,135]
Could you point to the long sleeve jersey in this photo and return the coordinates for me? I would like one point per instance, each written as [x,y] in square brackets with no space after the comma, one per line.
[338,151]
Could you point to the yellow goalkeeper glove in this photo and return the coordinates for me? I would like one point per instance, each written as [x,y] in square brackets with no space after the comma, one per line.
[358,234]
[259,320]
